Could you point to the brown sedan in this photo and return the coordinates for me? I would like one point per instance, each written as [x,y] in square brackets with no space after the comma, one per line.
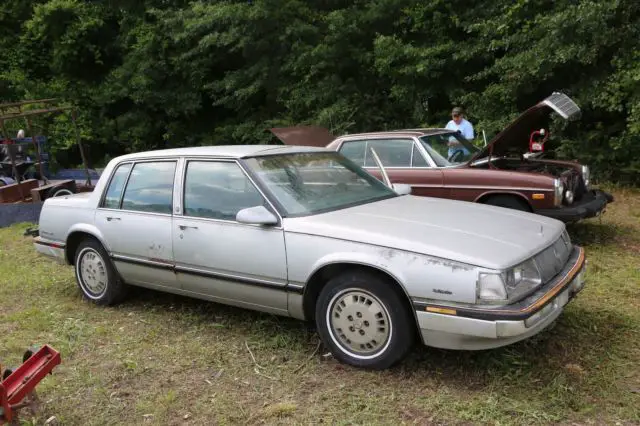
[507,172]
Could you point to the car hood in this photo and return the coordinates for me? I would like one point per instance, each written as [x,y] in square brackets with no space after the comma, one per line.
[515,137]
[475,234]
[304,135]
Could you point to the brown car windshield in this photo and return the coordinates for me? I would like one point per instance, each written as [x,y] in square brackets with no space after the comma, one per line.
[317,182]
[448,149]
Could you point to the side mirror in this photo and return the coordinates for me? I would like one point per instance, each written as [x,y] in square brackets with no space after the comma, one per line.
[402,188]
[258,215]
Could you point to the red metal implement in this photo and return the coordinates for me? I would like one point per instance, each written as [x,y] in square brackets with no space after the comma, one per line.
[24,379]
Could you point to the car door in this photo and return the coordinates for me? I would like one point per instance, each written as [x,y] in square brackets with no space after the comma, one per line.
[218,258]
[402,159]
[135,220]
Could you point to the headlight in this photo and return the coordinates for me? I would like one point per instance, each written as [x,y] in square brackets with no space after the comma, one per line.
[508,285]
[558,192]
[522,279]
[490,288]
[585,175]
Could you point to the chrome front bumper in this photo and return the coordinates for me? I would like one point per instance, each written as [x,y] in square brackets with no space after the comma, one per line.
[453,327]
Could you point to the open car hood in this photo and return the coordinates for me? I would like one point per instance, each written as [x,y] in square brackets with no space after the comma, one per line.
[315,136]
[515,137]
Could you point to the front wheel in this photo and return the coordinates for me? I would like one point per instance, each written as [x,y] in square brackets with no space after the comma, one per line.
[363,320]
[96,276]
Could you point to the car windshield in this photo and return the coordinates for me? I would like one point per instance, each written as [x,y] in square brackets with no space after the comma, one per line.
[316,182]
[448,149]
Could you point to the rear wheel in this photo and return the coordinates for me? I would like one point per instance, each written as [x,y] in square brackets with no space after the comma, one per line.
[363,320]
[507,201]
[96,276]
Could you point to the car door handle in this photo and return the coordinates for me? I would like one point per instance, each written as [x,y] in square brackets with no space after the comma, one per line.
[183,227]
[110,218]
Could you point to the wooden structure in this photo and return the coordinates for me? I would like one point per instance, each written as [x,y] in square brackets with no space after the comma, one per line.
[25,190]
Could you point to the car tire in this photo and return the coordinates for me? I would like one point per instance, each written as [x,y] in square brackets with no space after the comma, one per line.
[97,278]
[507,201]
[364,321]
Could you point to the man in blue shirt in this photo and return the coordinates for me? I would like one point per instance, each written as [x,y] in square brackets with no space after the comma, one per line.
[459,123]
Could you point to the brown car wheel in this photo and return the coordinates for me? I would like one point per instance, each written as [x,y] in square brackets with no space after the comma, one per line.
[508,202]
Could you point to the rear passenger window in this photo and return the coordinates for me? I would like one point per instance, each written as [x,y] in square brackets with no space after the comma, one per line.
[150,187]
[114,192]
[392,152]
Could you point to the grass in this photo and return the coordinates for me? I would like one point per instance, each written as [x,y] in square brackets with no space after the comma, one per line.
[163,359]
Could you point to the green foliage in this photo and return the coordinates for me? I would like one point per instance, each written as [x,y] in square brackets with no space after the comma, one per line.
[149,74]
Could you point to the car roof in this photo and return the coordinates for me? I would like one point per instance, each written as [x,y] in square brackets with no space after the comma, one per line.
[227,151]
[400,132]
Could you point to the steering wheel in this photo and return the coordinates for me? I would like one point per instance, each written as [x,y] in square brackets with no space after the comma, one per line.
[456,153]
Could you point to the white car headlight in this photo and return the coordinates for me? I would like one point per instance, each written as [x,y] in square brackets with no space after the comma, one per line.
[585,175]
[491,288]
[494,287]
[522,279]
[558,192]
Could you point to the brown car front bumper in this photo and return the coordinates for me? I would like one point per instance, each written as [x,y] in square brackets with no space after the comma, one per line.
[592,204]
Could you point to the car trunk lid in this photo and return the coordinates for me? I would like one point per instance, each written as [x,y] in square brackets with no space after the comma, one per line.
[315,136]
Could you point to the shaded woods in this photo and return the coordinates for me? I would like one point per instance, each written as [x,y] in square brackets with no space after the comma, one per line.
[165,73]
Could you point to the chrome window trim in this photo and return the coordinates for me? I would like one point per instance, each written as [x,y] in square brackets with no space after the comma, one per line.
[425,153]
[177,186]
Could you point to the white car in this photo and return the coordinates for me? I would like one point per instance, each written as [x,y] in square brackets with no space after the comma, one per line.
[306,233]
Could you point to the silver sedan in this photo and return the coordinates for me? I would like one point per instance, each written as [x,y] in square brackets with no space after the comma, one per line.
[306,233]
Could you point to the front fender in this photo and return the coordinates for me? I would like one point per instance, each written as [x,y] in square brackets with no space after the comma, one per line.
[363,259]
[420,276]
[517,194]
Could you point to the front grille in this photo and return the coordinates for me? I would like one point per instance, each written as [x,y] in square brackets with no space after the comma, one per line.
[572,181]
[552,260]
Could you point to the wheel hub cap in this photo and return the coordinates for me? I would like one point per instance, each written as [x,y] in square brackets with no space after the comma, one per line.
[359,322]
[93,272]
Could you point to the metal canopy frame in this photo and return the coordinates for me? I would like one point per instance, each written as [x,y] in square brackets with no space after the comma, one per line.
[14,110]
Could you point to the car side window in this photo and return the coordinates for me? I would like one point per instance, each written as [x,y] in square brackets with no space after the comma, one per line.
[150,187]
[218,190]
[114,191]
[392,152]
[417,159]
[354,151]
